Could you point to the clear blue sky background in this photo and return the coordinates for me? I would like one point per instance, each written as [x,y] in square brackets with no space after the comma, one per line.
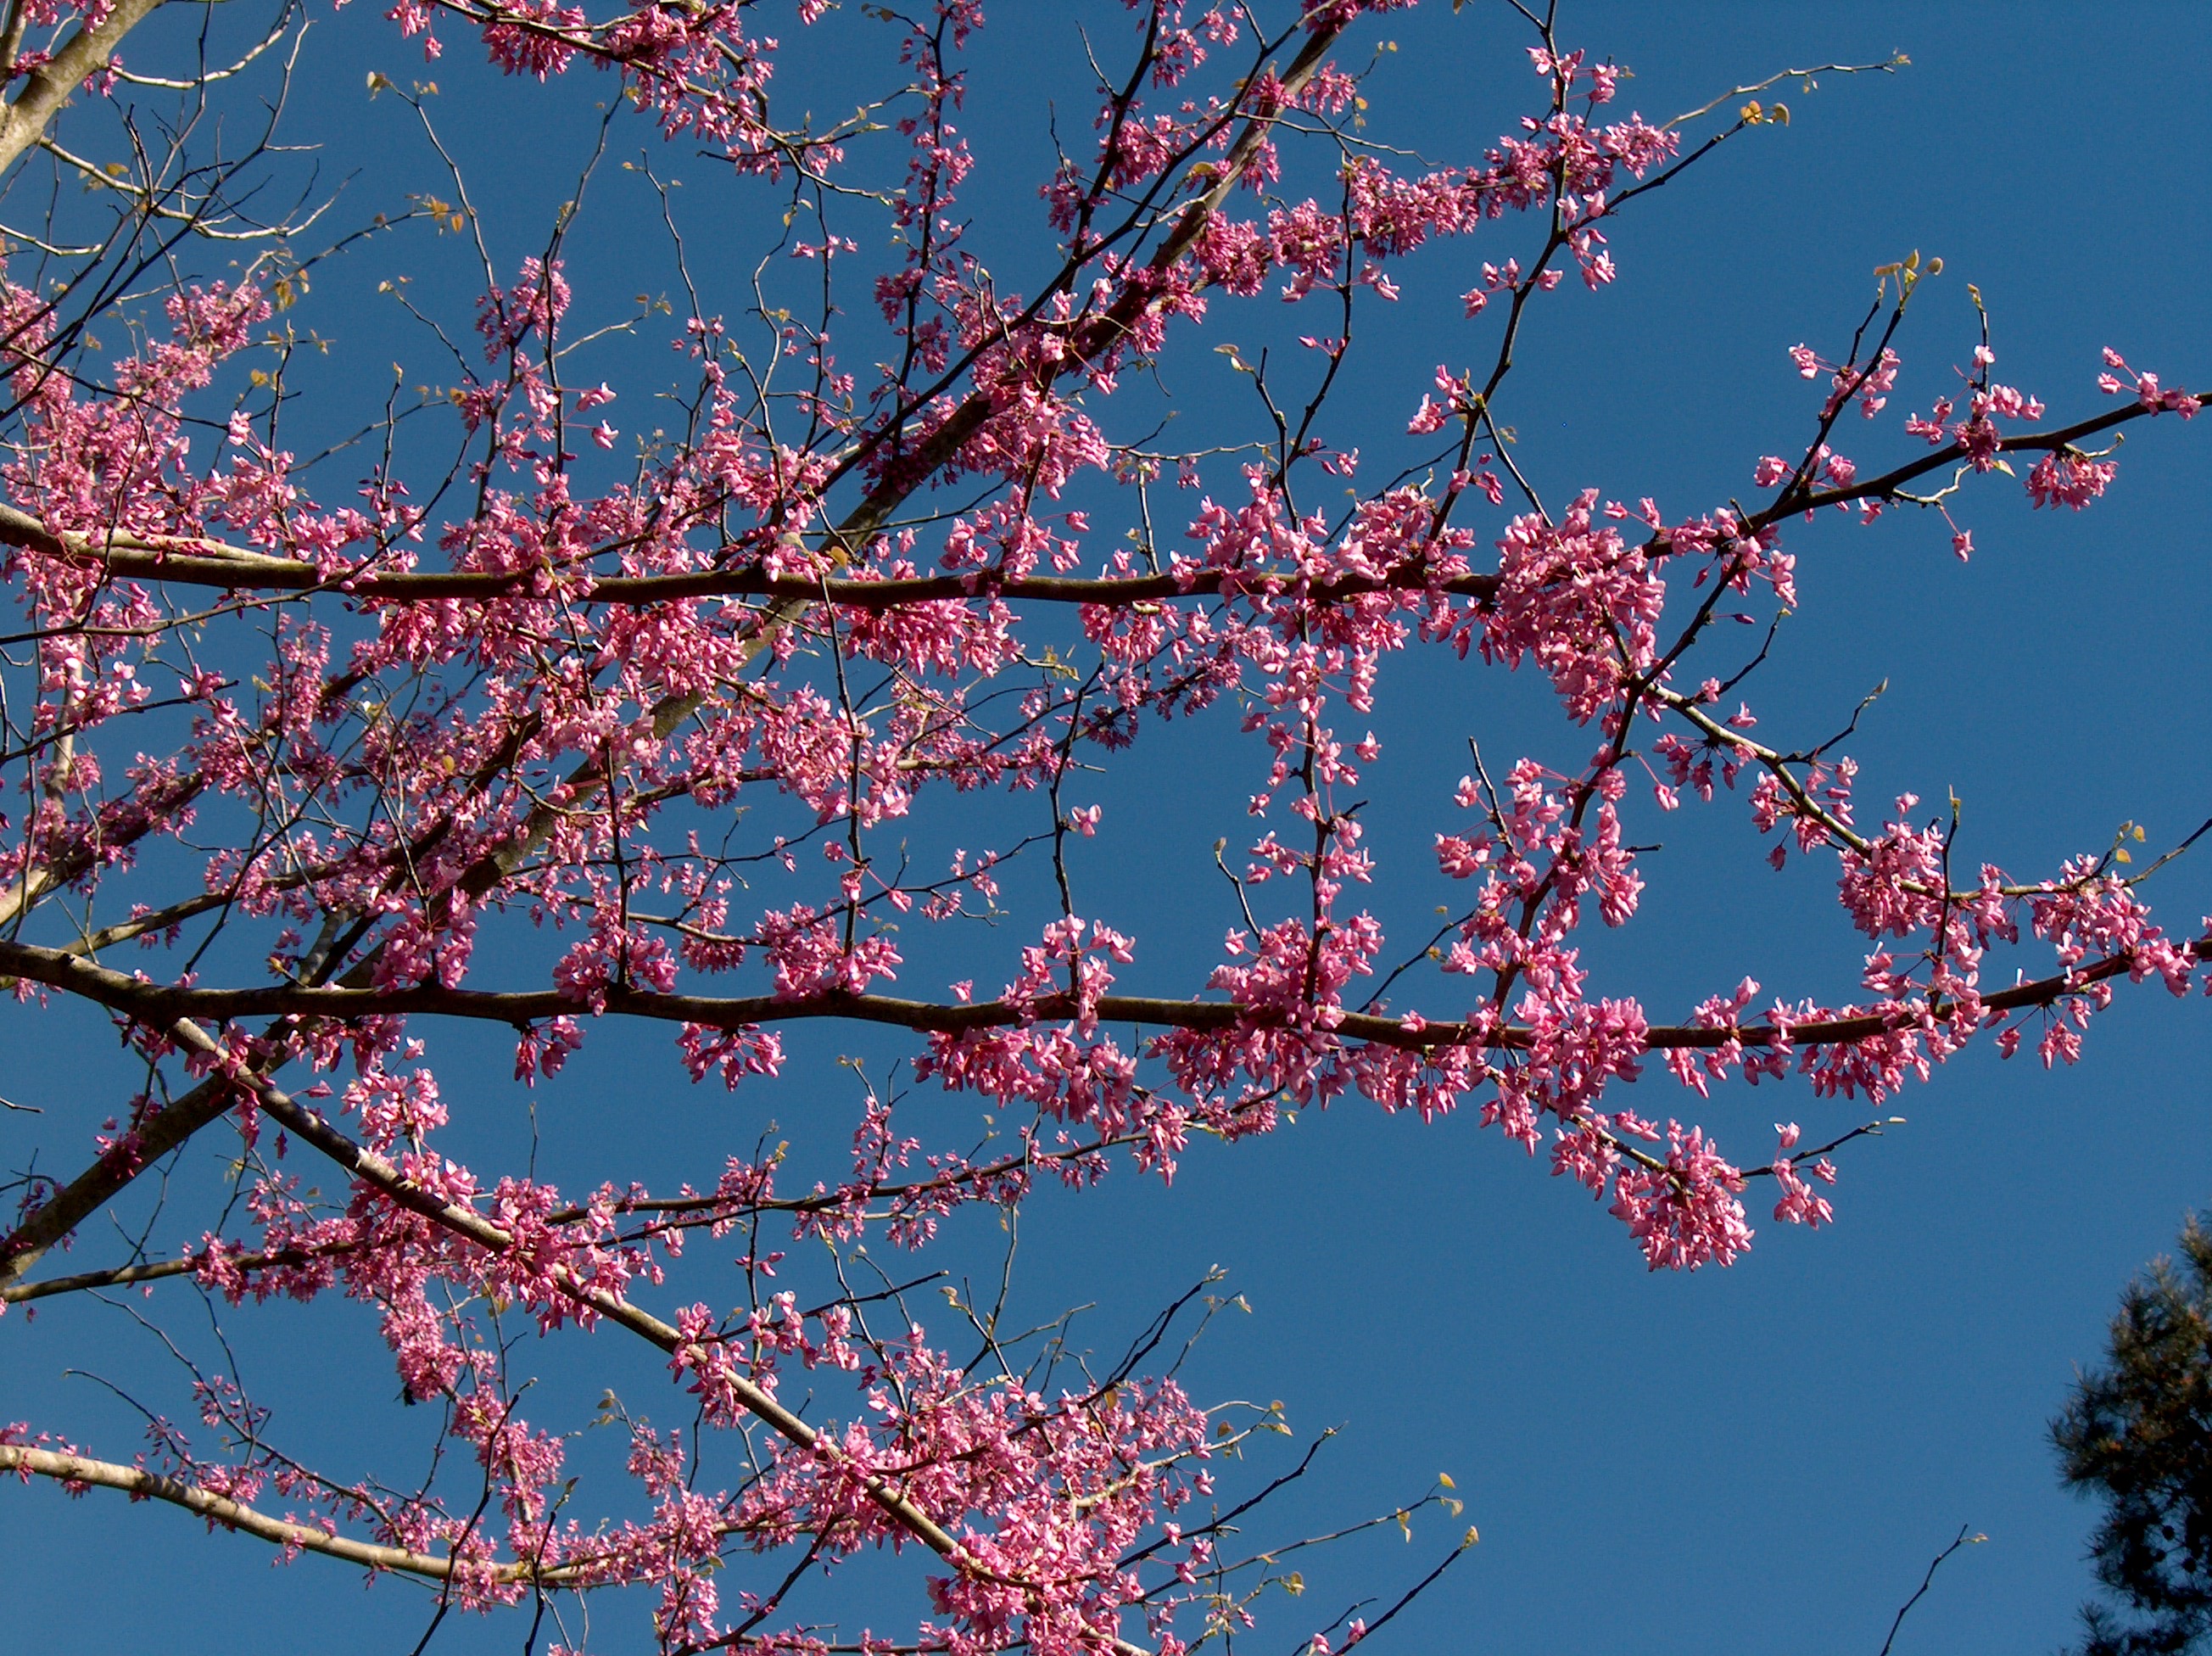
[1758,1459]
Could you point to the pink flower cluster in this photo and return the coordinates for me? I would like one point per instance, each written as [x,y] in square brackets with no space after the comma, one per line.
[801,706]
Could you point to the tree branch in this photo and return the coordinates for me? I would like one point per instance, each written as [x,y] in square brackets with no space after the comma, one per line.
[48,87]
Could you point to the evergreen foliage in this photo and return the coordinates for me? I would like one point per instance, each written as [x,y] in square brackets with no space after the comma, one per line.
[2137,1433]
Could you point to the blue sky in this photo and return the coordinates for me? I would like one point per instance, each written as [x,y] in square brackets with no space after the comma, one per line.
[1760,1458]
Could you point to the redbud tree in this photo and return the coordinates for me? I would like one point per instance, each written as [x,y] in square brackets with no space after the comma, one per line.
[760,660]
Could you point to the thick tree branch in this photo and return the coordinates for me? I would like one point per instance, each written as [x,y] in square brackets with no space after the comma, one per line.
[48,87]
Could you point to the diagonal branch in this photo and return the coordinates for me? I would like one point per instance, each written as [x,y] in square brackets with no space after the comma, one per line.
[48,87]
[377,1171]
[76,1472]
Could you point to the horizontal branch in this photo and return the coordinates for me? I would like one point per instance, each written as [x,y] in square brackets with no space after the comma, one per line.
[662,1215]
[155,1270]
[160,1005]
[198,563]
[1887,485]
[195,562]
